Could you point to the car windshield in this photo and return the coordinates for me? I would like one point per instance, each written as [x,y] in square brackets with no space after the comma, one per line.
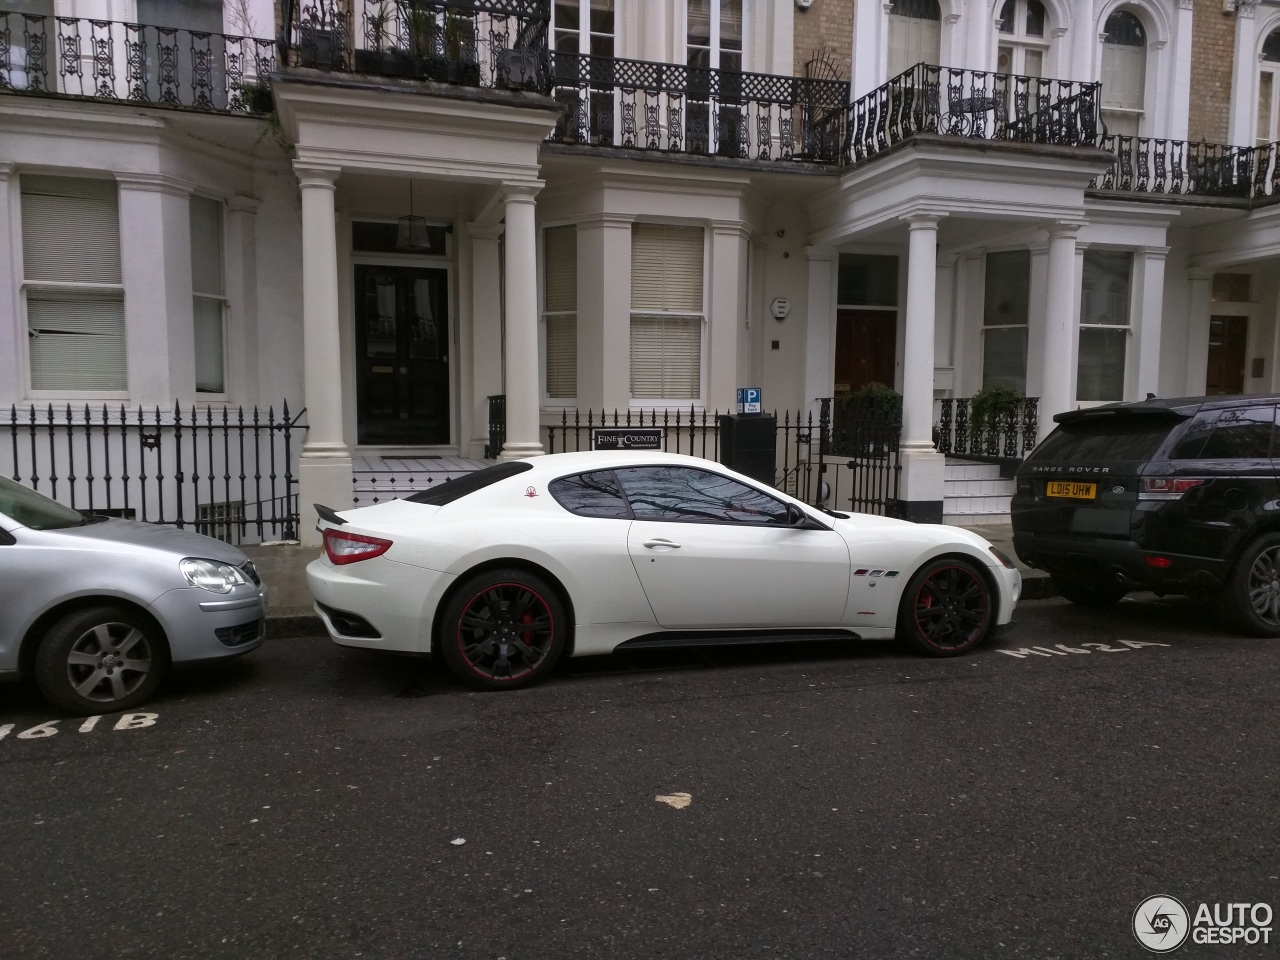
[35,510]
[1106,438]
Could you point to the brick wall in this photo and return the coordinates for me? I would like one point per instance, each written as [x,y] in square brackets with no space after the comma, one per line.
[825,28]
[1213,45]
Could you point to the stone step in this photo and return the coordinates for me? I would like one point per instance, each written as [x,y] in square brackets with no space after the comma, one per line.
[974,519]
[965,470]
[978,488]
[976,506]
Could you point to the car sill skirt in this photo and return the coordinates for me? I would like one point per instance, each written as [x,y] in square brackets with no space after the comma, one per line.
[717,638]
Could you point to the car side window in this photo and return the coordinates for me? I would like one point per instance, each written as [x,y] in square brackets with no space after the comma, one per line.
[1240,434]
[697,496]
[594,494]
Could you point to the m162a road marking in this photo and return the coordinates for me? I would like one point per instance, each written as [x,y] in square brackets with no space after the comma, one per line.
[1065,650]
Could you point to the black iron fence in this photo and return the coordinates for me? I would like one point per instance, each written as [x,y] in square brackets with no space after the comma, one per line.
[1006,434]
[670,107]
[975,104]
[227,472]
[476,43]
[134,62]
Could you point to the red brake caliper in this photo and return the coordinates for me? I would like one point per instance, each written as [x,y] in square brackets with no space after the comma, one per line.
[527,636]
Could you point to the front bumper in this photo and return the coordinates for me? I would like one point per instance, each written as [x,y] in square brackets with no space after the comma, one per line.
[204,626]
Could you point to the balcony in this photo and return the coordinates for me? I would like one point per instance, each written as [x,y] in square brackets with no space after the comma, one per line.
[1153,167]
[134,63]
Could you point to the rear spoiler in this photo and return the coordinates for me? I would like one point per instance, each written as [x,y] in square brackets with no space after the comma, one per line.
[1128,410]
[328,515]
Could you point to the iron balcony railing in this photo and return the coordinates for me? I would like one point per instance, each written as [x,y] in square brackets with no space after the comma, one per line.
[228,472]
[1010,434]
[476,43]
[134,63]
[673,108]
[973,104]
[1158,167]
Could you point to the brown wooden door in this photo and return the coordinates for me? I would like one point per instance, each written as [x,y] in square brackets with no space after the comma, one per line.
[866,348]
[1227,339]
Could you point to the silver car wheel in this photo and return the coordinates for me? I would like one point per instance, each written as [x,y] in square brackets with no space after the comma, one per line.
[109,662]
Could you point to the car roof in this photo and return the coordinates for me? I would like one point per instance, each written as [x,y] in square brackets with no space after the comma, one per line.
[1162,406]
[606,459]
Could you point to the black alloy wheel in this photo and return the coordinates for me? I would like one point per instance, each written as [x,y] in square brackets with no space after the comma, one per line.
[503,629]
[101,659]
[1250,597]
[947,608]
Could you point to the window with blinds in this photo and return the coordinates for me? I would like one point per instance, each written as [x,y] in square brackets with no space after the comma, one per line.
[666,312]
[74,296]
[560,311]
[209,302]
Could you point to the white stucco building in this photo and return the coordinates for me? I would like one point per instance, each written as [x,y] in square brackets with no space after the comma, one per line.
[430,210]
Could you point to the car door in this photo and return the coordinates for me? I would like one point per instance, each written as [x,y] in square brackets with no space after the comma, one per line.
[28,576]
[713,552]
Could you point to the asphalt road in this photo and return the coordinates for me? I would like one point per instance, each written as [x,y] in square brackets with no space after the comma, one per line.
[846,801]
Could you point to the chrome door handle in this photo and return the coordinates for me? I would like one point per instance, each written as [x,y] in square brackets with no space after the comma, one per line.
[661,542]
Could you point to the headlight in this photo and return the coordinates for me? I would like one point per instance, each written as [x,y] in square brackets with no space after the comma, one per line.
[1002,557]
[211,575]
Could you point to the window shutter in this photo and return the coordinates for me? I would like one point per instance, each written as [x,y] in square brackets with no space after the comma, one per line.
[206,246]
[666,268]
[1123,76]
[70,230]
[561,269]
[76,341]
[562,357]
[666,358]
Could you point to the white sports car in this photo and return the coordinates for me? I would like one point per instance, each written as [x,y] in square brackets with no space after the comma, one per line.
[505,570]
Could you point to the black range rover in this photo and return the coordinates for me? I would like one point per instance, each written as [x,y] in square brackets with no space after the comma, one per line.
[1175,496]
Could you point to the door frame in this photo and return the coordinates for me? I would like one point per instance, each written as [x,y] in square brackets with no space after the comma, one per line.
[454,339]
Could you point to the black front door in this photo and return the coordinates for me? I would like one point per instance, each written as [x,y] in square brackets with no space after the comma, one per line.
[402,345]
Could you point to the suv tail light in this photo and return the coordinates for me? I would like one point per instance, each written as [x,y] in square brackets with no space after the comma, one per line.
[1167,488]
[352,547]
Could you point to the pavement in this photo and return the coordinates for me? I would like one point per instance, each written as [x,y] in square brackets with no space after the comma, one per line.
[289,609]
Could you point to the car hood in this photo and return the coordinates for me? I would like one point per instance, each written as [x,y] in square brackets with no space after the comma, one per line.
[182,543]
[924,533]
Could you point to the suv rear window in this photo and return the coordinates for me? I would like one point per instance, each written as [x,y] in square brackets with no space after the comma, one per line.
[452,490]
[1107,438]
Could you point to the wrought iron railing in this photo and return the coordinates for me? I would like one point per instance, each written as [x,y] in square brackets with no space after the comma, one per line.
[690,431]
[1150,165]
[224,471]
[859,457]
[134,62]
[1008,435]
[497,426]
[670,107]
[971,103]
[474,43]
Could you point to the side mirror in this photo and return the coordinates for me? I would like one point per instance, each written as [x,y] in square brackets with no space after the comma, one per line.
[795,516]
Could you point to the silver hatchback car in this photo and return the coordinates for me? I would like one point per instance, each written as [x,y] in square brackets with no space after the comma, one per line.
[98,608]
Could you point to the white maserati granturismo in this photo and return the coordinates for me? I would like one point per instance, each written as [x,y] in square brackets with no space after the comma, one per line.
[502,572]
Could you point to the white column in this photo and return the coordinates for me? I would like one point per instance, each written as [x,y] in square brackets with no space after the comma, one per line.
[820,327]
[11,376]
[1198,312]
[486,328]
[520,360]
[155,213]
[242,294]
[1244,87]
[324,471]
[604,313]
[726,322]
[945,325]
[923,468]
[1149,285]
[1035,331]
[1180,101]
[917,365]
[1058,362]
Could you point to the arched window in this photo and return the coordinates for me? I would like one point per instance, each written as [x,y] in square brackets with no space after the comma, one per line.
[915,34]
[1024,44]
[1268,95]
[1124,73]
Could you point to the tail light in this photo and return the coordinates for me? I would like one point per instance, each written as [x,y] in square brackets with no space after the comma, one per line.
[352,547]
[1167,488]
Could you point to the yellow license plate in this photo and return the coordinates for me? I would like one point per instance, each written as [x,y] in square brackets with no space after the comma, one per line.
[1071,490]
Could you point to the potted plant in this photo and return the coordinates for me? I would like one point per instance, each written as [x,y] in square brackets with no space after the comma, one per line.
[993,412]
[866,422]
[462,67]
[255,96]
[321,36]
[379,57]
[420,32]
